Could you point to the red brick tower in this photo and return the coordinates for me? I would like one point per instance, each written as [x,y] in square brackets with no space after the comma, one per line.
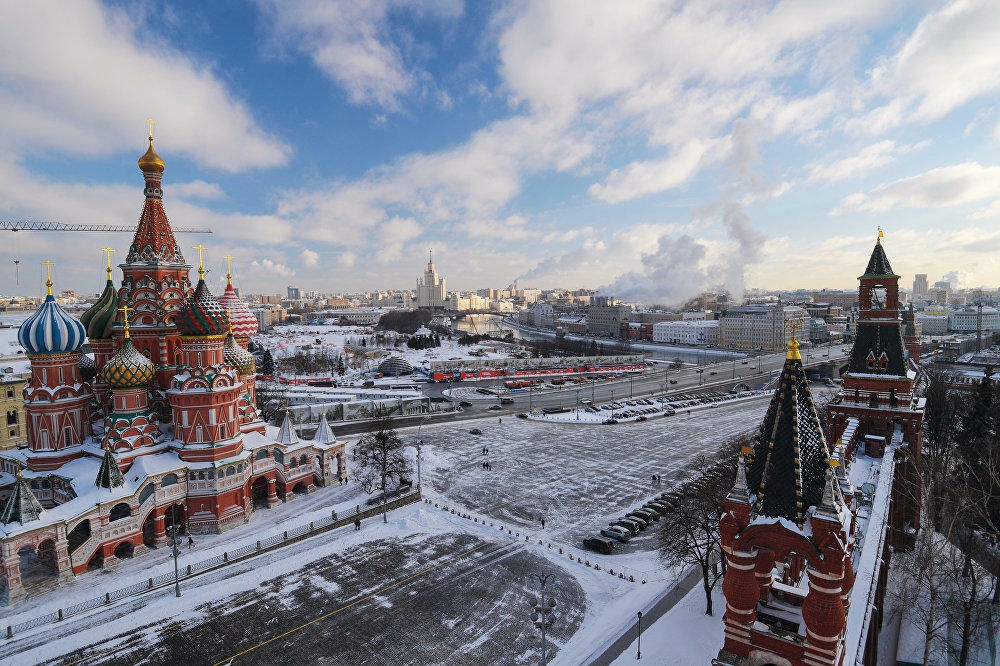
[785,537]
[154,284]
[878,384]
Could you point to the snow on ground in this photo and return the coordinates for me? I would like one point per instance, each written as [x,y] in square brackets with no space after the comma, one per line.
[683,636]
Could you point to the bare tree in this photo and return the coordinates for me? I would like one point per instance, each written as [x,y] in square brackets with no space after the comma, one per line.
[271,398]
[690,532]
[379,458]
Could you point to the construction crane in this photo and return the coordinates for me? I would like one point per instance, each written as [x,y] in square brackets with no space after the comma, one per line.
[25,225]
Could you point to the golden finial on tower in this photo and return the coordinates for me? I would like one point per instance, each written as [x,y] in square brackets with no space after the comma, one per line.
[229,319]
[878,240]
[151,162]
[793,326]
[126,309]
[149,125]
[20,469]
[229,268]
[201,262]
[48,275]
[108,251]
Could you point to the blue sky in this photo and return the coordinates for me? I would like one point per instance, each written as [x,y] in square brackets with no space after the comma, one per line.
[647,149]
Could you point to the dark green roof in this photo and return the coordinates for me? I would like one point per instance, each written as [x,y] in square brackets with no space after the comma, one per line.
[878,265]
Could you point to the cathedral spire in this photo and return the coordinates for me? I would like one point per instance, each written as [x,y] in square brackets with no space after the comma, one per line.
[22,506]
[109,475]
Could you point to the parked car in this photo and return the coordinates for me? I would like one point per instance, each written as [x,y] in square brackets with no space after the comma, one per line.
[673,381]
[494,407]
[648,516]
[522,415]
[465,403]
[617,533]
[641,522]
[659,511]
[600,544]
[641,419]
[653,515]
[660,506]
[630,525]
[609,421]
[475,431]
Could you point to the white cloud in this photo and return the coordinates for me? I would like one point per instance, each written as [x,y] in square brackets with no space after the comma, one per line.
[868,158]
[353,44]
[309,258]
[646,177]
[273,268]
[197,189]
[76,78]
[948,60]
[954,185]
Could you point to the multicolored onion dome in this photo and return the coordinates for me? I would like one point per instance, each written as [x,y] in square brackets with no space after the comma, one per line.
[100,317]
[128,368]
[88,368]
[150,161]
[51,330]
[238,357]
[202,315]
[244,322]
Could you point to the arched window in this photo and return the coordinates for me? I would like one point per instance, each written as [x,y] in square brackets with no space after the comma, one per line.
[292,462]
[192,477]
[302,460]
[119,511]
[147,490]
[262,454]
[279,457]
[230,471]
[168,480]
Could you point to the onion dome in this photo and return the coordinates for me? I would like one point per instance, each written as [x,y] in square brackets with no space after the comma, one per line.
[128,369]
[202,315]
[100,317]
[51,330]
[150,161]
[243,321]
[395,366]
[238,357]
[88,368]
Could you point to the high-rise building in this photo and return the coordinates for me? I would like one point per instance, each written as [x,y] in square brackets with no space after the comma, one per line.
[919,285]
[431,293]
[294,293]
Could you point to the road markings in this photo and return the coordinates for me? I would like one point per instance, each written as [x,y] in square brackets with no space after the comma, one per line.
[353,603]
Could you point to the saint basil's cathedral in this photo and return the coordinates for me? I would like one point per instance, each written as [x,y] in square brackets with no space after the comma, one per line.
[160,425]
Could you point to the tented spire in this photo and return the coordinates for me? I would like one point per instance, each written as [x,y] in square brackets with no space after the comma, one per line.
[324,434]
[110,475]
[22,506]
[287,433]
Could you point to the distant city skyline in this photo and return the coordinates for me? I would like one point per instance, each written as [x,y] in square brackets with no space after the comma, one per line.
[647,150]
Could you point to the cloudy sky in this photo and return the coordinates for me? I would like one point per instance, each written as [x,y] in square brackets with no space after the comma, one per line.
[646,149]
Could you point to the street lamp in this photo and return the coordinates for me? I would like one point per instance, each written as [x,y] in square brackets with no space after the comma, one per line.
[173,543]
[420,443]
[543,612]
[638,646]
[701,375]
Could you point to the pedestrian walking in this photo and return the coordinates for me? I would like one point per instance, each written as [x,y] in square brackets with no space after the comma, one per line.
[543,523]
[500,420]
[357,524]
[190,542]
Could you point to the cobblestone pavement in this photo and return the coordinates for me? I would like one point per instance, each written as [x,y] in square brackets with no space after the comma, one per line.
[431,599]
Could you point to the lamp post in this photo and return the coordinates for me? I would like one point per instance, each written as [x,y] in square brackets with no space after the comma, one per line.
[420,443]
[173,541]
[612,403]
[542,612]
[701,375]
[638,646]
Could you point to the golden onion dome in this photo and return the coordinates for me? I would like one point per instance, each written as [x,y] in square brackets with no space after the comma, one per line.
[150,161]
[238,357]
[128,368]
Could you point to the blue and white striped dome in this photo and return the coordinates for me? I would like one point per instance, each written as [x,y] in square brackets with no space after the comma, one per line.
[51,330]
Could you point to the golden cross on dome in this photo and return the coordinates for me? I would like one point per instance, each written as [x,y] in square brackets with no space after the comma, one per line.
[48,275]
[229,268]
[126,309]
[201,262]
[20,468]
[149,123]
[108,251]
[878,240]
[793,326]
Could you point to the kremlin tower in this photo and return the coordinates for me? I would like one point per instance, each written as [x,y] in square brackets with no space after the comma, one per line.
[161,422]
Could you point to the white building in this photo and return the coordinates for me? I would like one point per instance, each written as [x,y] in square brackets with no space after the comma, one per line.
[543,314]
[431,293]
[766,326]
[931,324]
[966,320]
[690,332]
